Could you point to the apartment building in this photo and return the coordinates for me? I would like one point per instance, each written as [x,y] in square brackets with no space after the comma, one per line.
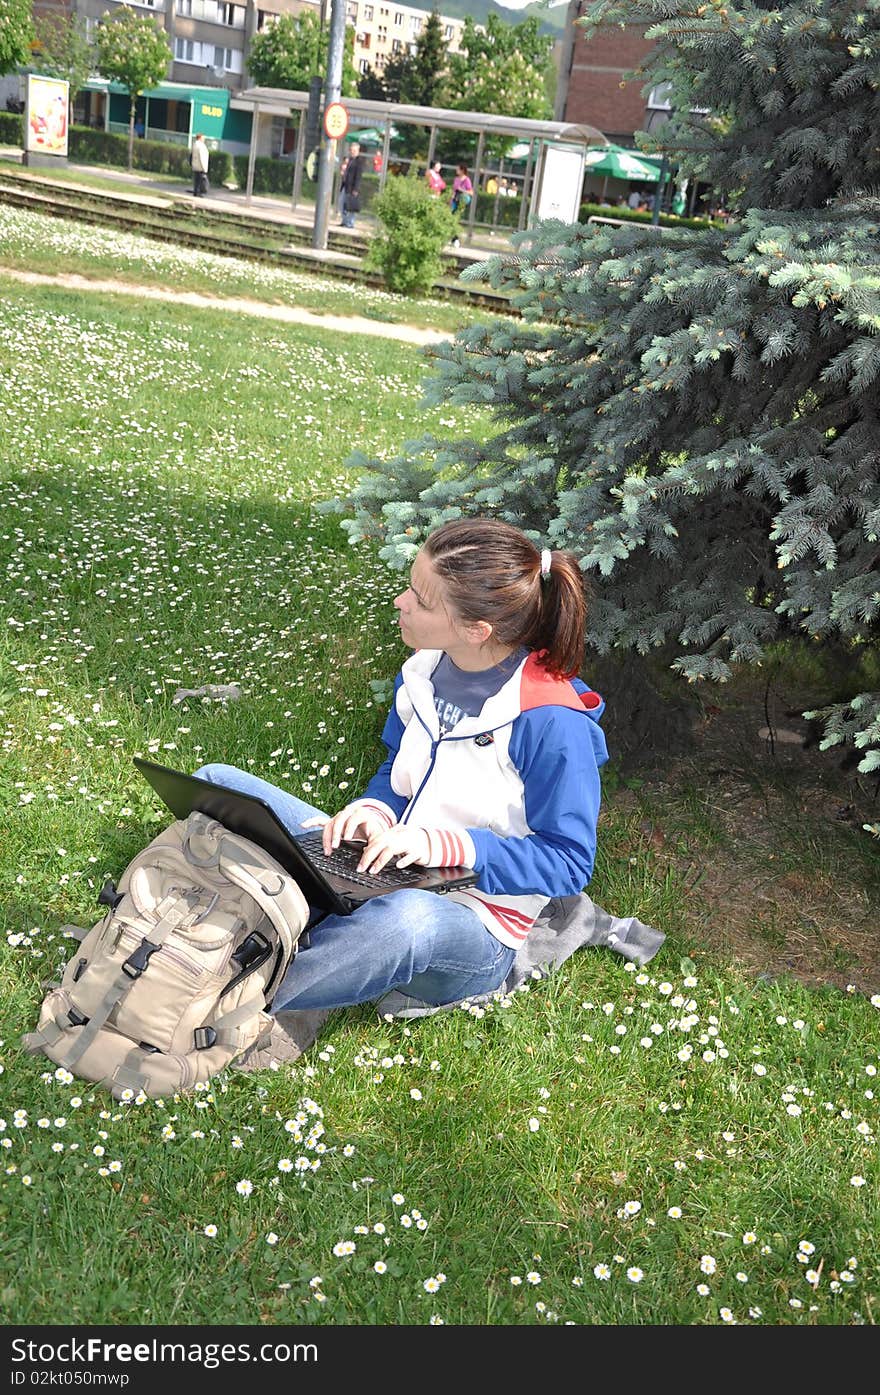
[383,31]
[210,38]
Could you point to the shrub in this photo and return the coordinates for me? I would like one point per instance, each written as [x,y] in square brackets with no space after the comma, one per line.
[629,215]
[415,226]
[11,128]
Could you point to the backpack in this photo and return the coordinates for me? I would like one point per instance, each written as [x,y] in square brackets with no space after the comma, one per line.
[173,984]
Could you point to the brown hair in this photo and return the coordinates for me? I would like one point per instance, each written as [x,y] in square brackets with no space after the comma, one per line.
[491,571]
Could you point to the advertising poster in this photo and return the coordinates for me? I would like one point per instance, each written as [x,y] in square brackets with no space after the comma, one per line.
[46,115]
[561,184]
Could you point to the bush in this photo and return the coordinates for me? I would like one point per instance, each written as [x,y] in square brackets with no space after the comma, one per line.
[415,226]
[11,128]
[629,215]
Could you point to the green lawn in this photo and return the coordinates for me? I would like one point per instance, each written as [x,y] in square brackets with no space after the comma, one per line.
[40,242]
[678,1145]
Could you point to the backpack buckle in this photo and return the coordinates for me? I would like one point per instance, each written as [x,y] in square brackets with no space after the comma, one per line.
[252,951]
[136,963]
[203,1037]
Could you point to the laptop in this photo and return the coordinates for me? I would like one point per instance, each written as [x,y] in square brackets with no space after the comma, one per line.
[330,883]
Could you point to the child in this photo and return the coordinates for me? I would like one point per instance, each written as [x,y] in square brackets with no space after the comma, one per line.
[494,751]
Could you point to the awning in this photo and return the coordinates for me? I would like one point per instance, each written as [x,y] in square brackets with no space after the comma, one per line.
[168,91]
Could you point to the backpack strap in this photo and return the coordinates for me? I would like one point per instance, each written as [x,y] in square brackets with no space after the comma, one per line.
[226,1028]
[172,912]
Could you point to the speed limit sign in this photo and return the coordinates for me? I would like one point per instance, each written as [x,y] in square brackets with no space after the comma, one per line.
[335,121]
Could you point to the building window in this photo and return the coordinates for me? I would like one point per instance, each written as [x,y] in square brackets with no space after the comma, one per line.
[230,15]
[368,12]
[363,39]
[183,50]
[351,11]
[398,18]
[382,33]
[396,46]
[448,31]
[185,7]
[228,60]
[364,65]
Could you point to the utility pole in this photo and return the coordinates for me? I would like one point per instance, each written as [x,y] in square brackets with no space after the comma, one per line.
[332,93]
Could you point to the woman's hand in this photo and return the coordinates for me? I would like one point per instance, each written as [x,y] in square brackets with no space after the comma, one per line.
[354,823]
[403,844]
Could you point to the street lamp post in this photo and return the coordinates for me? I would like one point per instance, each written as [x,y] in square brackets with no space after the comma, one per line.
[332,92]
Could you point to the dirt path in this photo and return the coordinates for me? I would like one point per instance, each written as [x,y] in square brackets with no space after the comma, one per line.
[289,314]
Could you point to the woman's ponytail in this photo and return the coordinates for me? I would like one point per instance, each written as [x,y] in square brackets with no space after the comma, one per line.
[563,614]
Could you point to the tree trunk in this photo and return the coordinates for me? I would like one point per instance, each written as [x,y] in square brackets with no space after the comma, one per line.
[131,135]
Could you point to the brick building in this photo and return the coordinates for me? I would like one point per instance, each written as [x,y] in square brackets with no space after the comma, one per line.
[593,86]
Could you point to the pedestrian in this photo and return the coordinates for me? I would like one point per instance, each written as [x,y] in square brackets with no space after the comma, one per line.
[139,126]
[462,189]
[340,198]
[634,199]
[199,160]
[493,755]
[350,185]
[436,182]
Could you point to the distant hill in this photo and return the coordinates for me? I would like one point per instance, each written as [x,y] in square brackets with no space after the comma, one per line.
[551,21]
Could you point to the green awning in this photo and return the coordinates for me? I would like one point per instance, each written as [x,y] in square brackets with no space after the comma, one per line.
[169,92]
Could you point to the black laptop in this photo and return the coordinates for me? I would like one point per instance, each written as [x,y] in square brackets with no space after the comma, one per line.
[332,882]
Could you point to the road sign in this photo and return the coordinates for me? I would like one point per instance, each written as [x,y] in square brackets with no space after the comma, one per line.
[335,121]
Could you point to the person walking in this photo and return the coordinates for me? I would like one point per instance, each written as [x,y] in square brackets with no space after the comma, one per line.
[350,185]
[493,754]
[199,160]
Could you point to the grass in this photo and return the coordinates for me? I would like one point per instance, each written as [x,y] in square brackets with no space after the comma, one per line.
[39,242]
[676,1145]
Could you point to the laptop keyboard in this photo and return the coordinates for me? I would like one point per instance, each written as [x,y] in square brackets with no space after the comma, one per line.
[343,861]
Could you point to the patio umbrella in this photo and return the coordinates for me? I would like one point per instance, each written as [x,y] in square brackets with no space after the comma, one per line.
[371,135]
[616,163]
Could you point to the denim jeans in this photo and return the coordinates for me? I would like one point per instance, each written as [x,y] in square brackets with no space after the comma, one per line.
[428,946]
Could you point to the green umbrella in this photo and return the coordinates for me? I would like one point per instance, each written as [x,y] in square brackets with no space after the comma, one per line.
[371,135]
[617,163]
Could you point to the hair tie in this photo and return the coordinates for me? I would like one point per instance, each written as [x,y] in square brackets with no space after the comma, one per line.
[546,559]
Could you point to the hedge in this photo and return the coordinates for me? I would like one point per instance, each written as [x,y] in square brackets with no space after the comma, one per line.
[11,128]
[629,215]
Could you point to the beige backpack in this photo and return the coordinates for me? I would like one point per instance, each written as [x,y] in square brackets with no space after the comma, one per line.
[173,984]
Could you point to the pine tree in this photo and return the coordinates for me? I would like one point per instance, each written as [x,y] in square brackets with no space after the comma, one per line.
[695,412]
[424,85]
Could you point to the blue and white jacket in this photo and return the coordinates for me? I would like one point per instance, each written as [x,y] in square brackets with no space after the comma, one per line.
[513,793]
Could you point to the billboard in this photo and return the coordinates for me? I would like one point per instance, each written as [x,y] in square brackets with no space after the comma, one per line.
[45,129]
[561,182]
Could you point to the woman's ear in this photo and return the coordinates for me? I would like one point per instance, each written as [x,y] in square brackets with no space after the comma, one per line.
[478,631]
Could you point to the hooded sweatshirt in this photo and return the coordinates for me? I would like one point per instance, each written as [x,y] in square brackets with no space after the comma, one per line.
[512,793]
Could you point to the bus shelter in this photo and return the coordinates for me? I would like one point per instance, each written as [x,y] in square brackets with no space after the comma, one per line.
[547,144]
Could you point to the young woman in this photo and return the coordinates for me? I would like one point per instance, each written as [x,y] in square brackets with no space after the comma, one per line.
[436,182]
[462,189]
[494,751]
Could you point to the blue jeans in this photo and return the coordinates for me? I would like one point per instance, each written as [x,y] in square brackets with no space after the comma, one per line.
[428,946]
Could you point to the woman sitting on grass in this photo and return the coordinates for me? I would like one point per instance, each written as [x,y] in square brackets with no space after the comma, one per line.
[494,751]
